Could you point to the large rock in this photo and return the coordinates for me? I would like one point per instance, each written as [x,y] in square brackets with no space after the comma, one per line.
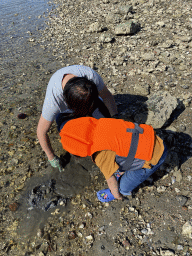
[159,108]
[187,229]
[127,28]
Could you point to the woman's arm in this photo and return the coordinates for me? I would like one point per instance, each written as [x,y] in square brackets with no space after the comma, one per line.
[108,100]
[42,130]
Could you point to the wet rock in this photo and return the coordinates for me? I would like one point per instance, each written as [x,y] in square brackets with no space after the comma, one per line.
[14,206]
[127,28]
[126,244]
[72,235]
[22,116]
[44,197]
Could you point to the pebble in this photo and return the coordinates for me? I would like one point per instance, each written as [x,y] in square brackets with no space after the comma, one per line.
[161,189]
[173,180]
[126,244]
[177,190]
[89,238]
[82,225]
[14,206]
[40,233]
[167,253]
[72,235]
[22,116]
[178,175]
[181,199]
[179,247]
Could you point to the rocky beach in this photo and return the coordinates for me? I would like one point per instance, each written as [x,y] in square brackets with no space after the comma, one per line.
[143,51]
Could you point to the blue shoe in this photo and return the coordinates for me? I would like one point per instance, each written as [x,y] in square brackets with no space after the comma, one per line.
[117,176]
[105,195]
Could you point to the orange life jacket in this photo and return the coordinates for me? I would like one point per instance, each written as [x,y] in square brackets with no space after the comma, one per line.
[87,135]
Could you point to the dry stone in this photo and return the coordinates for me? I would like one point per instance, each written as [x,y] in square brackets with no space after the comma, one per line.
[96,27]
[125,9]
[106,38]
[159,106]
[113,18]
[187,229]
[142,89]
[127,28]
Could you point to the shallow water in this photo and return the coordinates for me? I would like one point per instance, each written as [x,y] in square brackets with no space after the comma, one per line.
[20,21]
[17,17]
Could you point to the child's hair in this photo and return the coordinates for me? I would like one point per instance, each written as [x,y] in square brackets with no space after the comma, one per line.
[80,95]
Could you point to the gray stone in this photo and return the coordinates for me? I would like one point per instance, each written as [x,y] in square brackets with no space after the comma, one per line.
[182,200]
[178,175]
[167,253]
[96,27]
[187,229]
[148,56]
[160,106]
[142,89]
[106,38]
[125,9]
[127,28]
[113,18]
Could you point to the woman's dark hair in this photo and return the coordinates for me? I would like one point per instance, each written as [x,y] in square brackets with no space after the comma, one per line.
[80,95]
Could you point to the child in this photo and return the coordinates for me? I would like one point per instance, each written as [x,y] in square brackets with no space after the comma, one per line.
[126,153]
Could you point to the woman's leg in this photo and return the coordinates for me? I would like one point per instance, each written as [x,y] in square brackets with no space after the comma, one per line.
[132,179]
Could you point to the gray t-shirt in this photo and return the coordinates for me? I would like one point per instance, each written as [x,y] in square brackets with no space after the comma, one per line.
[54,102]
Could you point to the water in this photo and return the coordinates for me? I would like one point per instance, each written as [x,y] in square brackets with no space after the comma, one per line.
[20,59]
[17,17]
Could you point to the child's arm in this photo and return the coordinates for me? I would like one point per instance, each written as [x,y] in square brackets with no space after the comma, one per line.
[114,187]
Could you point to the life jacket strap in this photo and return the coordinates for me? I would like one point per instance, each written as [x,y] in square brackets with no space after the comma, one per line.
[133,147]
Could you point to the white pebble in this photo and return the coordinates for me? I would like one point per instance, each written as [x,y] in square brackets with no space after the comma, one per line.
[177,190]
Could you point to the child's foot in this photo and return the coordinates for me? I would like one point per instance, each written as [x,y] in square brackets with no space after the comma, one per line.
[105,195]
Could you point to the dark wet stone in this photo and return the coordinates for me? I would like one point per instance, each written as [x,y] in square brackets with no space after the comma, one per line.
[72,235]
[22,116]
[14,206]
